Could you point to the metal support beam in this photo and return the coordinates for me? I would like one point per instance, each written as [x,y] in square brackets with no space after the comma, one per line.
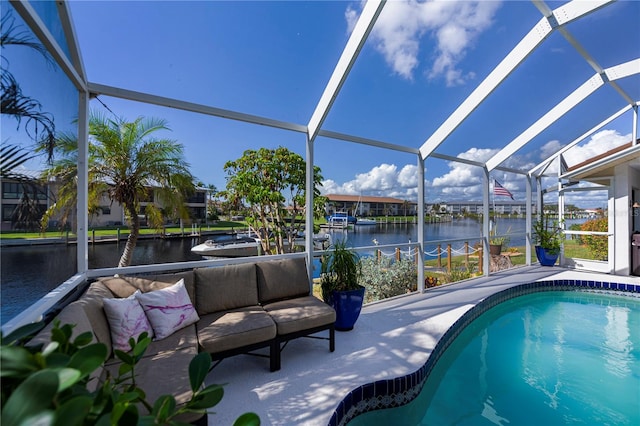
[485,222]
[33,21]
[368,17]
[560,210]
[567,13]
[101,89]
[366,141]
[420,223]
[634,126]
[579,139]
[309,187]
[83,183]
[72,41]
[529,222]
[573,99]
[626,69]
[539,198]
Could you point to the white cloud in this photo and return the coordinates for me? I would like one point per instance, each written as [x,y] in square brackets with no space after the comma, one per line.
[550,148]
[599,143]
[463,181]
[454,26]
[382,180]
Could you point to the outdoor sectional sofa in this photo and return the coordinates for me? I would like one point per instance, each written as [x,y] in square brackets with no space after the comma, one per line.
[240,308]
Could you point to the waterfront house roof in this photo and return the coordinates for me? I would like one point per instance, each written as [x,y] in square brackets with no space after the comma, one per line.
[365,199]
[600,168]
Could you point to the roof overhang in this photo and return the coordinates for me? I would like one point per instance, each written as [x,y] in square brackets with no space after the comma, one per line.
[600,171]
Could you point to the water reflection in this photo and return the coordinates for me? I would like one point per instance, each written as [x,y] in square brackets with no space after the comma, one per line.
[42,268]
[30,272]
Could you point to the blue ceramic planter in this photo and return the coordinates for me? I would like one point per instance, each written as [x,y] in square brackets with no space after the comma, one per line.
[545,258]
[348,305]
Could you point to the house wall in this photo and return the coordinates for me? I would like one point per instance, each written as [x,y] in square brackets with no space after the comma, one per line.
[111,213]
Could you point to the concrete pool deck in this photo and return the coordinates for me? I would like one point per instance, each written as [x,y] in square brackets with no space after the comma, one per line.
[391,338]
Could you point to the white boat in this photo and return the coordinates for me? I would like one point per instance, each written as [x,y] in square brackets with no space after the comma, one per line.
[237,246]
[366,222]
[243,245]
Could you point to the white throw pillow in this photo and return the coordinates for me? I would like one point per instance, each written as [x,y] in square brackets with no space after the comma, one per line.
[126,320]
[169,309]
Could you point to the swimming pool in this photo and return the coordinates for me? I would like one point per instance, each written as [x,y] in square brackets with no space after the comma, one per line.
[522,356]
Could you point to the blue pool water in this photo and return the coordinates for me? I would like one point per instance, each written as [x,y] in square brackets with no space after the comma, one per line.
[546,358]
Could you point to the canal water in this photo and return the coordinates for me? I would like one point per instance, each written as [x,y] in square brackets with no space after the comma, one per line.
[30,272]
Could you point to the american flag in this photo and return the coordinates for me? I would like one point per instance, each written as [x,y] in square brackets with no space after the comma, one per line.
[501,190]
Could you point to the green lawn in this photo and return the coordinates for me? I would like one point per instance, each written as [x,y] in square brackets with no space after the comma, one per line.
[113,231]
[571,249]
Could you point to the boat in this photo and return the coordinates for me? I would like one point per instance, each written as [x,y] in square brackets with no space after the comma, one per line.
[248,244]
[351,220]
[366,222]
[228,246]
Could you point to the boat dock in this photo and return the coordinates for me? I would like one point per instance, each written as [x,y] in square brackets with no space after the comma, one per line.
[336,222]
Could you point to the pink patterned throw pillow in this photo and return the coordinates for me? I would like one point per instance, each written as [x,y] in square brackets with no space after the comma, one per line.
[126,319]
[169,309]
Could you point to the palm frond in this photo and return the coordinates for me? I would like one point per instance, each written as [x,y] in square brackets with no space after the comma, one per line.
[38,125]
[12,157]
[13,34]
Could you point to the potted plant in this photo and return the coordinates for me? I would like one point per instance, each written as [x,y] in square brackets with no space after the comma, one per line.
[547,237]
[339,274]
[496,243]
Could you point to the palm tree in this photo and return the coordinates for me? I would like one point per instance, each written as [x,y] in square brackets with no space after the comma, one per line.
[125,160]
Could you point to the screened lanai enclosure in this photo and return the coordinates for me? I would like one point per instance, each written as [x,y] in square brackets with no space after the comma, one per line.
[429,101]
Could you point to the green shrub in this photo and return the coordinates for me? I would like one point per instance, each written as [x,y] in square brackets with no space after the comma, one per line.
[385,278]
[47,384]
[576,227]
[456,275]
[598,244]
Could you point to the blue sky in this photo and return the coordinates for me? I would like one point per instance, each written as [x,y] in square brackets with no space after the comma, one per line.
[421,61]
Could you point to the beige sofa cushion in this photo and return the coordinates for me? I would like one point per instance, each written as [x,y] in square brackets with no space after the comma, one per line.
[223,288]
[92,302]
[118,286]
[301,313]
[223,331]
[282,279]
[184,338]
[187,276]
[125,286]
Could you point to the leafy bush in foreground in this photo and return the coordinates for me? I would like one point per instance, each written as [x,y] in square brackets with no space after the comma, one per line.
[47,385]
